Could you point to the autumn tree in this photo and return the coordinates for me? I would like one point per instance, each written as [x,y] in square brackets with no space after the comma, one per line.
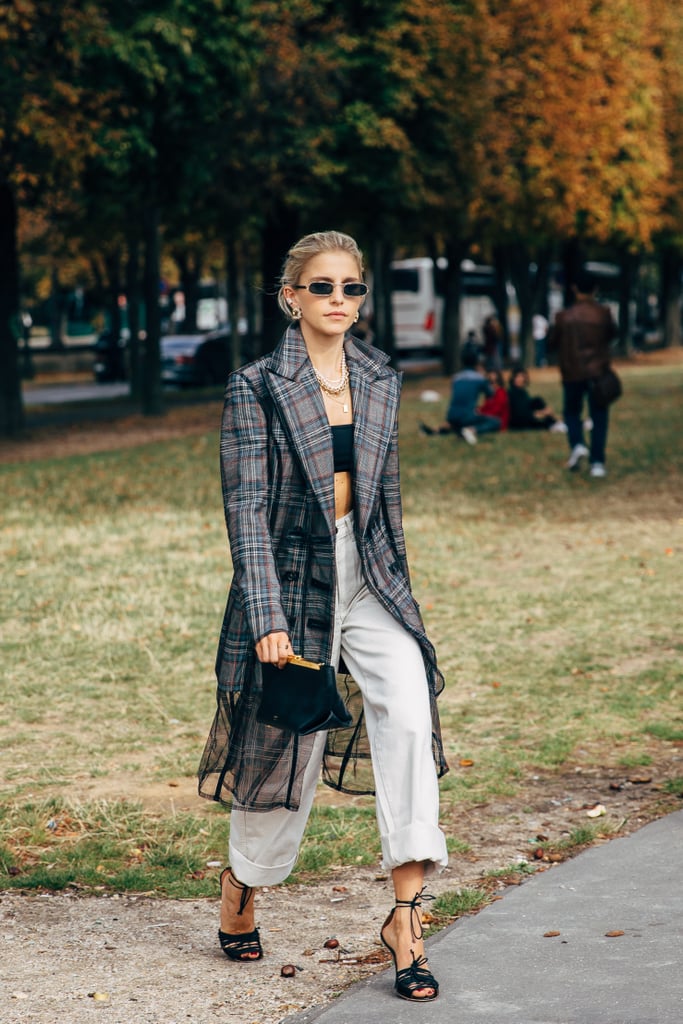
[167,64]
[361,118]
[574,145]
[46,129]
[668,20]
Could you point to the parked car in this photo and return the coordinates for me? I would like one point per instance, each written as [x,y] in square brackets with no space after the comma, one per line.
[196,360]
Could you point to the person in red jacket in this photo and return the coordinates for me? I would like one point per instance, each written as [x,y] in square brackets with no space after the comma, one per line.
[498,404]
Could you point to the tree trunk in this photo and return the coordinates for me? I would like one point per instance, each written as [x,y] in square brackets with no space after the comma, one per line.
[133,305]
[501,299]
[152,397]
[572,262]
[11,407]
[671,271]
[56,307]
[190,267]
[251,344]
[383,322]
[279,235]
[518,262]
[114,288]
[629,265]
[233,294]
[451,332]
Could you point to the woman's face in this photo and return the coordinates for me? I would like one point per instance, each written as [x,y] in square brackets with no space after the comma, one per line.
[327,316]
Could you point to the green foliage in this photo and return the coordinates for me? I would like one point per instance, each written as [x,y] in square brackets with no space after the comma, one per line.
[674,786]
[461,901]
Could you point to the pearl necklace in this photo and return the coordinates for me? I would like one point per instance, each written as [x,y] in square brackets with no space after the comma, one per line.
[334,387]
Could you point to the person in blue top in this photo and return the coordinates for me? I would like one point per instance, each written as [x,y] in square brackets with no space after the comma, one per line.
[469,385]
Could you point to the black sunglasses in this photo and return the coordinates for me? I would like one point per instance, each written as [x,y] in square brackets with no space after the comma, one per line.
[352,289]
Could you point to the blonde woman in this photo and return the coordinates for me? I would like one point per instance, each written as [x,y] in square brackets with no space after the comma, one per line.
[309,458]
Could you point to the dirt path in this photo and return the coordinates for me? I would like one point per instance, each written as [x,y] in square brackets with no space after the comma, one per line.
[66,957]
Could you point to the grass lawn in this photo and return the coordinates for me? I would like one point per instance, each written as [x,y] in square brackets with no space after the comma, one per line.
[553,601]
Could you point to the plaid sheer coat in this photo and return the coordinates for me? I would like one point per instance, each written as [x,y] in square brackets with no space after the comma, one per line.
[278,493]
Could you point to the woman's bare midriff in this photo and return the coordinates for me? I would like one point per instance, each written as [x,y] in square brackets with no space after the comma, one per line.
[343,494]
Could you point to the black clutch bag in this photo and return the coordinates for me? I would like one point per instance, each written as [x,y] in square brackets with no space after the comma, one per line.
[302,697]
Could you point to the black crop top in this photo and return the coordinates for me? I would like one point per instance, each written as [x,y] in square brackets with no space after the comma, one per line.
[342,446]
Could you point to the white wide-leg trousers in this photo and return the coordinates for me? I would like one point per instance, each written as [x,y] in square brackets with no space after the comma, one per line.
[386,662]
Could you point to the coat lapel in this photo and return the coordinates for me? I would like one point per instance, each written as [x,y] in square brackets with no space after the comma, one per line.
[296,393]
[375,393]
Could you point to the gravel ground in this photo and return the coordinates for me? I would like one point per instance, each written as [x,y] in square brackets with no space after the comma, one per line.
[66,958]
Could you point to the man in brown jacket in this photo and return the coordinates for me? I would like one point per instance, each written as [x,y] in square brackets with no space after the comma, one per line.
[582,336]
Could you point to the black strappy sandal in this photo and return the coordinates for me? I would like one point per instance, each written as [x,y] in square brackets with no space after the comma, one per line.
[240,947]
[411,979]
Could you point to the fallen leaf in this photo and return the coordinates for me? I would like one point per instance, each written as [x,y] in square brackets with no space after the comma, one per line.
[597,811]
[640,780]
[99,997]
[614,935]
[551,935]
[465,762]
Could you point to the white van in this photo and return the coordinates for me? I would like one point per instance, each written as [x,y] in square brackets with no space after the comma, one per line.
[417,301]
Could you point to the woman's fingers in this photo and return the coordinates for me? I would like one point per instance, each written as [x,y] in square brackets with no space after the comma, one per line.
[274,648]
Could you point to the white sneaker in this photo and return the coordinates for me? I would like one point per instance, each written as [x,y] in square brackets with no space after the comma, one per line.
[469,434]
[598,469]
[588,424]
[558,427]
[578,452]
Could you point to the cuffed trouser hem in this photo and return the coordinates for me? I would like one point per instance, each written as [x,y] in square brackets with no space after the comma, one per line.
[248,873]
[415,843]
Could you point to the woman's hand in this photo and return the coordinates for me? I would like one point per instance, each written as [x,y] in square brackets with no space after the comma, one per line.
[275,648]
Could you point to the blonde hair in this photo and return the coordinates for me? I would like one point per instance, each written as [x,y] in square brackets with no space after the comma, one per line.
[306,249]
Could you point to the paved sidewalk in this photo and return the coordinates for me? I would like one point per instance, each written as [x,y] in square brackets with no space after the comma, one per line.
[498,968]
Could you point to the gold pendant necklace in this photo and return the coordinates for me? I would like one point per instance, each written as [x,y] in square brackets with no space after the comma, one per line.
[344,403]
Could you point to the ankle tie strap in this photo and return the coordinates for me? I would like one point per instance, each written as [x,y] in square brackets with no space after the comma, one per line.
[245,891]
[415,906]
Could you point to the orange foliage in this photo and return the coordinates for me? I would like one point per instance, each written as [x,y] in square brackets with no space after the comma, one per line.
[575,139]
[668,16]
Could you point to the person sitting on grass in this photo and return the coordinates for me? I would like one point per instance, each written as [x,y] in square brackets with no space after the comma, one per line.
[527,412]
[463,418]
[498,404]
